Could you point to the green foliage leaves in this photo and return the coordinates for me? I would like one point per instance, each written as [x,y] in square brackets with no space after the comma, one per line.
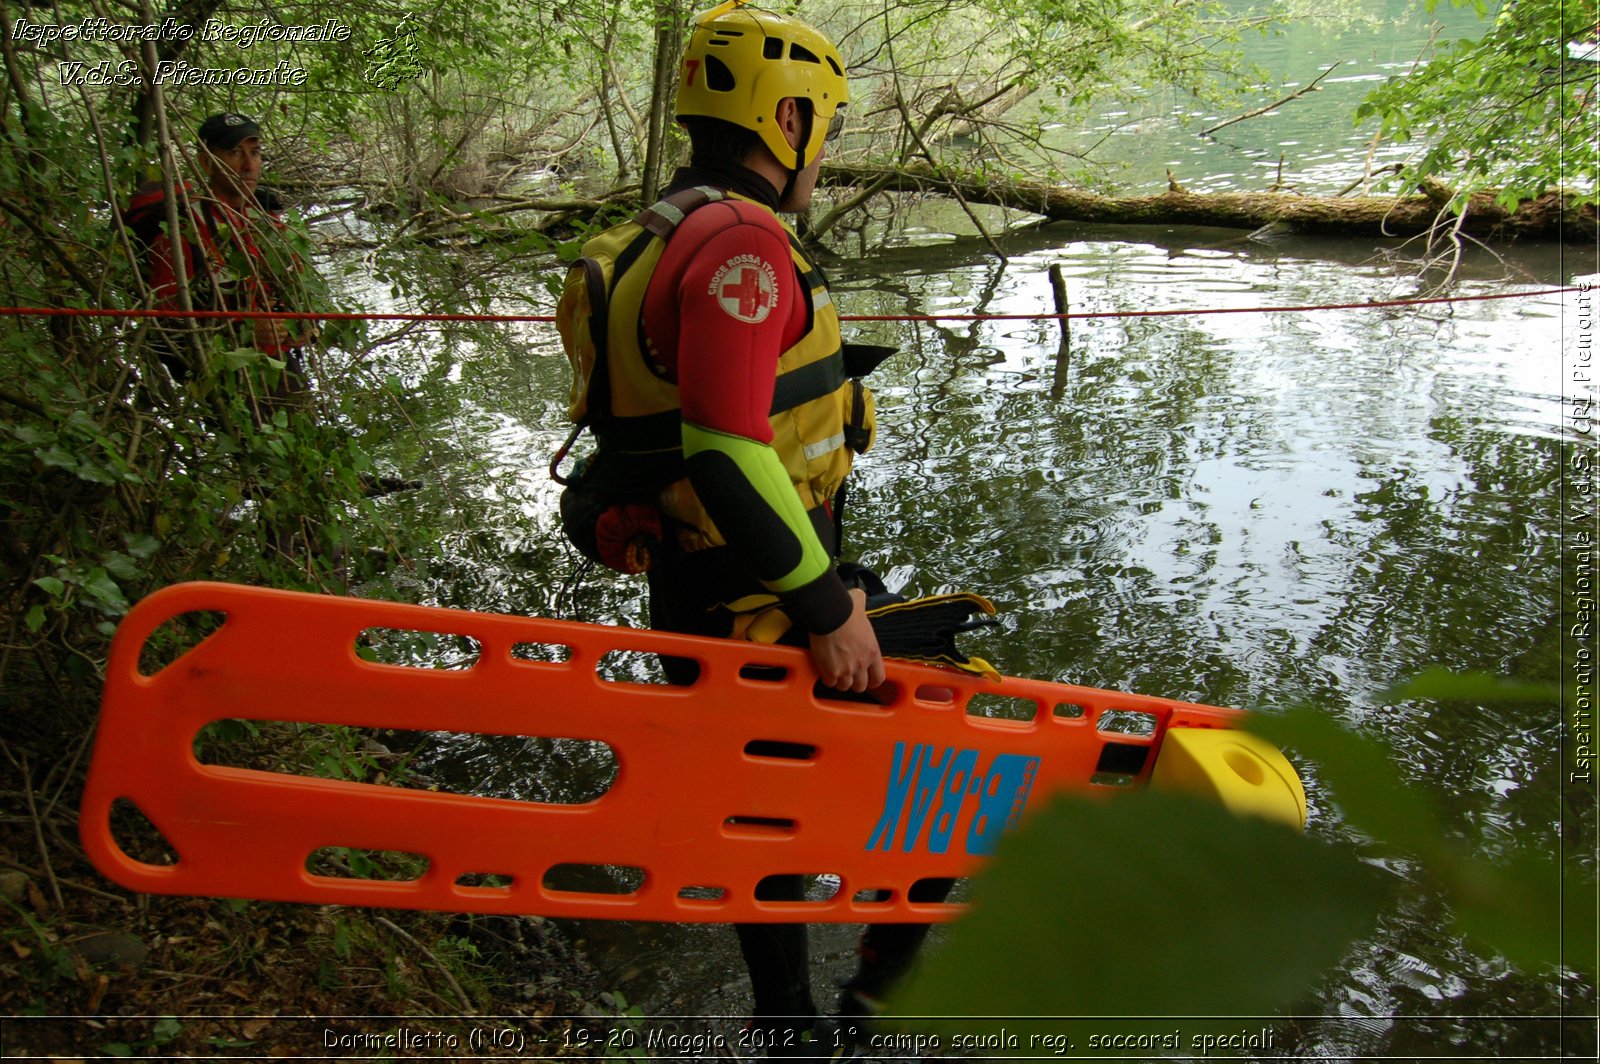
[1442,685]
[984,85]
[1155,905]
[1148,904]
[1511,906]
[1510,111]
[135,453]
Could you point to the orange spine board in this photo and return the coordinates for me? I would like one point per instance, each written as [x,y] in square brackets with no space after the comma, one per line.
[878,796]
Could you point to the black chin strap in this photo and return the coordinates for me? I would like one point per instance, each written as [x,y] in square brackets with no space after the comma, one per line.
[799,157]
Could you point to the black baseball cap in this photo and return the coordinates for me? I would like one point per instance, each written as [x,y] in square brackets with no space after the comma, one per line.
[223,132]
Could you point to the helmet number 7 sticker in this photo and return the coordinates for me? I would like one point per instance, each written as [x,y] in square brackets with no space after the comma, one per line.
[693,65]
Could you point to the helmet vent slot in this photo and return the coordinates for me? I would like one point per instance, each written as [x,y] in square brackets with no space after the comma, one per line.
[835,66]
[799,54]
[718,77]
[772,48]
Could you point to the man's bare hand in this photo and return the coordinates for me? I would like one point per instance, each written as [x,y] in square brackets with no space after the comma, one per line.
[848,657]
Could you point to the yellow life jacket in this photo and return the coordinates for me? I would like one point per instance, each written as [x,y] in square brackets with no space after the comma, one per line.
[821,416]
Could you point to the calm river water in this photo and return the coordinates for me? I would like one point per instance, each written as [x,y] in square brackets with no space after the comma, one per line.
[1245,509]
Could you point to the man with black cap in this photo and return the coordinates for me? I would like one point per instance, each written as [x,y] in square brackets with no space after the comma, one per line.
[229,222]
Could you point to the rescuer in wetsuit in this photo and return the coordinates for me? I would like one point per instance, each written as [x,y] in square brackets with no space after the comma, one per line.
[225,259]
[740,326]
[232,255]
[731,308]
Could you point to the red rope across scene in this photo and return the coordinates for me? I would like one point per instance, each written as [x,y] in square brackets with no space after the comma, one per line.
[287,315]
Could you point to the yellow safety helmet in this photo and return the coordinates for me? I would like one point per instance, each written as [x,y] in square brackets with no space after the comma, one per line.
[740,62]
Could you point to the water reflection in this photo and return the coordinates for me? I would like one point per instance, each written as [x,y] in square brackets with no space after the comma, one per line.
[1309,144]
[1254,510]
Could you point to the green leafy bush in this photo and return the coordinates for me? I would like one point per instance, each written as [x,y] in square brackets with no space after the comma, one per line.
[1511,111]
[1160,905]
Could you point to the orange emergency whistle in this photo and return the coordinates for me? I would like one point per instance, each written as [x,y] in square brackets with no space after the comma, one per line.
[747,773]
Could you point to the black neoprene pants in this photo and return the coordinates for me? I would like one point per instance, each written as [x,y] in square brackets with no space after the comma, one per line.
[778,955]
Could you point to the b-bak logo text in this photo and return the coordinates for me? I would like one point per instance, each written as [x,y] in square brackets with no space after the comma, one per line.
[925,776]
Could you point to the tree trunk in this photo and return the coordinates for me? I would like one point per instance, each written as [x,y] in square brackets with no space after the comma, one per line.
[668,51]
[1551,217]
[193,13]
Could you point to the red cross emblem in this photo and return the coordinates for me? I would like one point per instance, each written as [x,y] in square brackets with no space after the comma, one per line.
[747,292]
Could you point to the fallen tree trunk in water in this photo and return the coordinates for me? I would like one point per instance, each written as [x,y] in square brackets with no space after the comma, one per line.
[1550,217]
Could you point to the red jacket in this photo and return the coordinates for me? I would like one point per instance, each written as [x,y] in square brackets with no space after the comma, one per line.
[217,231]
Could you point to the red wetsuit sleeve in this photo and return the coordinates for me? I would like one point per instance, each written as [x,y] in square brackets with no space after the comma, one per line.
[736,301]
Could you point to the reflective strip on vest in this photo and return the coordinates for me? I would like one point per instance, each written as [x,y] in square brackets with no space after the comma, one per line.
[817,450]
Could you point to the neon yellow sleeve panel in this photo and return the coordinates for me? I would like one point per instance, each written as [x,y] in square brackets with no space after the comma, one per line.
[747,492]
